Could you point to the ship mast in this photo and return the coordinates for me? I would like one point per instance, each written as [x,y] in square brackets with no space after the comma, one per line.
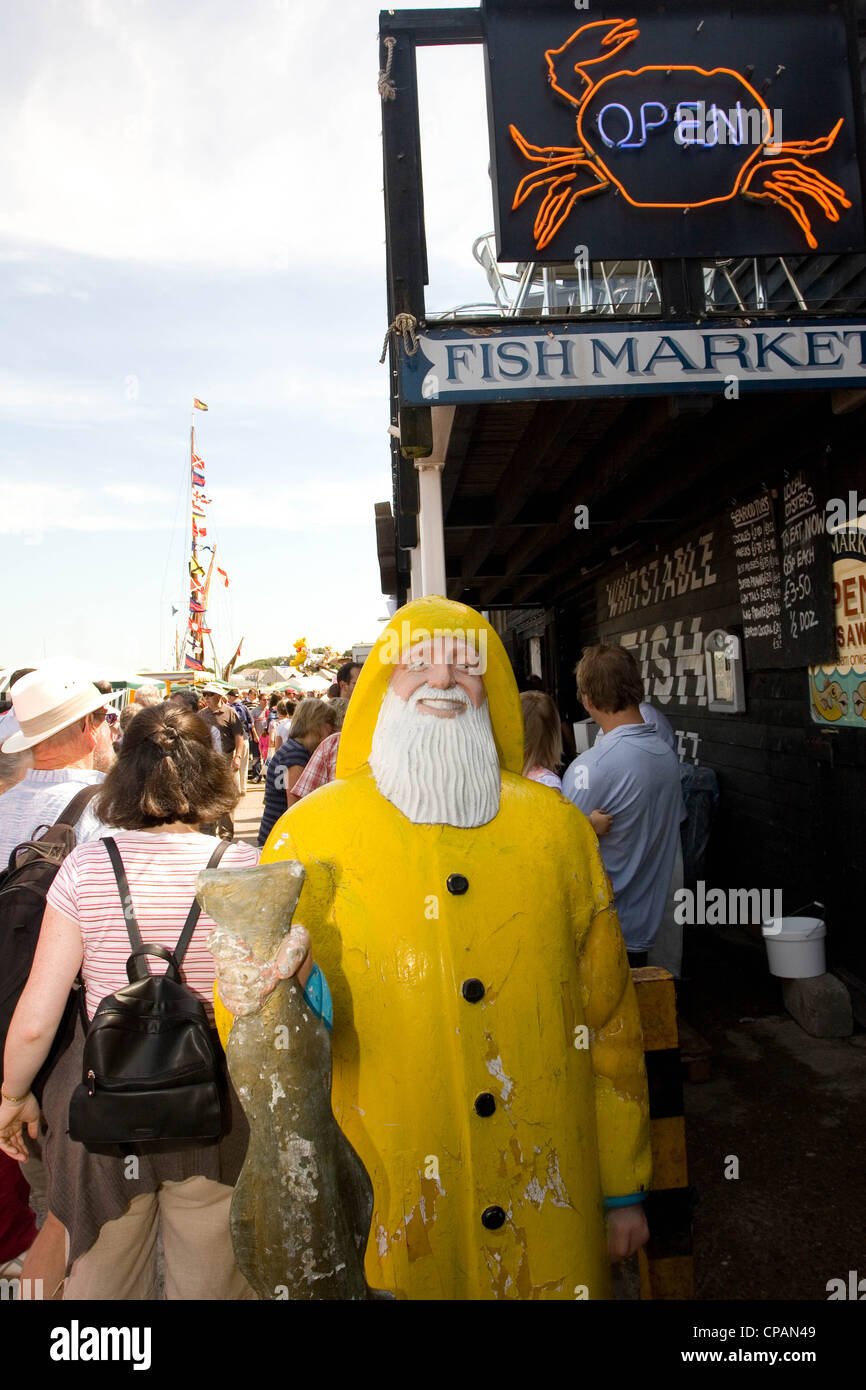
[199,578]
[199,582]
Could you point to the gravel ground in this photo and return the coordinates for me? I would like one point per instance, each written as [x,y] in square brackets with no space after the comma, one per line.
[792,1110]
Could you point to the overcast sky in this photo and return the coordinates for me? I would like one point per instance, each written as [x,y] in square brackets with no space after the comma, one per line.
[192,206]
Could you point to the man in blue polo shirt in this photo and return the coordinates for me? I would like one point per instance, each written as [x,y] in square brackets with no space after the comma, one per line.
[632,776]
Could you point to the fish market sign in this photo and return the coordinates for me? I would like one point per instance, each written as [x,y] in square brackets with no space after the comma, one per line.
[452,365]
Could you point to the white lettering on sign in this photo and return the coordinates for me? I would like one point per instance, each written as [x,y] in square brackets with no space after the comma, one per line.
[671,662]
[685,752]
[665,577]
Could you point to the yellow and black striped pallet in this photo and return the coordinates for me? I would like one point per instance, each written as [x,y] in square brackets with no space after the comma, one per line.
[666,1265]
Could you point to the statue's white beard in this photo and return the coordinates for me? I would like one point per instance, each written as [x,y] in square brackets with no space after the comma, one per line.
[436,771]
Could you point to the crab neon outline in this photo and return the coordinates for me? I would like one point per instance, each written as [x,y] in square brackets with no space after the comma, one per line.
[786,179]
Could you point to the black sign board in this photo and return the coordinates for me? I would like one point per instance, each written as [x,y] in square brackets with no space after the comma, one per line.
[784,577]
[756,552]
[807,585]
[640,130]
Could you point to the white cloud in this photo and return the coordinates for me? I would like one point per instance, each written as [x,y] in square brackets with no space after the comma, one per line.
[41,400]
[296,387]
[205,134]
[206,139]
[132,495]
[229,135]
[30,509]
[458,197]
[40,288]
[313,389]
[315,504]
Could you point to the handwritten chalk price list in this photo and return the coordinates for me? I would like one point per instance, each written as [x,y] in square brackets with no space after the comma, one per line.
[756,553]
[806,579]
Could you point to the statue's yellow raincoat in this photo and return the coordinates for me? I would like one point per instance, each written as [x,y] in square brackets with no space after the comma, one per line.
[555,1039]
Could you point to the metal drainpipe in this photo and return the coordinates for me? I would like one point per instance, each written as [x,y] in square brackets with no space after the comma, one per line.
[431,535]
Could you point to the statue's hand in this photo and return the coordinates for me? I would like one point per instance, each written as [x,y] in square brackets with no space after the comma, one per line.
[627,1231]
[245,982]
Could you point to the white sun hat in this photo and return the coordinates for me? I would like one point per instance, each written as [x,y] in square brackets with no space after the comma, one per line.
[51,698]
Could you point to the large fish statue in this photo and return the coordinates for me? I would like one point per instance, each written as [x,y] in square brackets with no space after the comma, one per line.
[302,1207]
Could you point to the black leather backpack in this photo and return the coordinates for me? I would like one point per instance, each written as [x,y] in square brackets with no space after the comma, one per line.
[153,1070]
[24,886]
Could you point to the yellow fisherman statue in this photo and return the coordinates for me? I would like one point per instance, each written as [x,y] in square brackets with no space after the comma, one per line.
[487,1054]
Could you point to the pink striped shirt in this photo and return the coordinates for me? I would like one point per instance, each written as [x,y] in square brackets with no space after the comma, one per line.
[162,869]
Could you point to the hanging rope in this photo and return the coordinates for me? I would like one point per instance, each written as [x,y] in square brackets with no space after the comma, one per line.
[387,90]
[404,326]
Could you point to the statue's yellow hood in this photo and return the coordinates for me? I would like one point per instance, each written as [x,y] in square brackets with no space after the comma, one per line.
[421,619]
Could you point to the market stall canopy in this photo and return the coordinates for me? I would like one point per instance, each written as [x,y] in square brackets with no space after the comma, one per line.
[291,687]
[173,677]
[265,675]
[314,684]
[123,680]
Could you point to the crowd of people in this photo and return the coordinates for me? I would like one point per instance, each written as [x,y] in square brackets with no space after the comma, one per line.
[161,781]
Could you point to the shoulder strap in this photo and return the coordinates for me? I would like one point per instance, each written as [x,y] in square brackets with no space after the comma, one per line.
[132,929]
[72,813]
[55,847]
[195,911]
[129,917]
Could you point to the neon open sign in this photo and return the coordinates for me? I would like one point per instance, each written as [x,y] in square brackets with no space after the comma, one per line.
[694,124]
[558,179]
[666,116]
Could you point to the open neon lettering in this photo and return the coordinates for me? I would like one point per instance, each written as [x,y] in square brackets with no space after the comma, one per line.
[645,125]
[695,124]
[698,126]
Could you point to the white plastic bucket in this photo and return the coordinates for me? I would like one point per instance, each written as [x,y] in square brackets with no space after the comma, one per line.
[795,946]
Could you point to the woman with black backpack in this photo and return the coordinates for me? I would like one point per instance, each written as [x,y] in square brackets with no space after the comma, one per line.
[167,781]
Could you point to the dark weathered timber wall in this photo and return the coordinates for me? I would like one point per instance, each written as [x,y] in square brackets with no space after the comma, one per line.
[791,814]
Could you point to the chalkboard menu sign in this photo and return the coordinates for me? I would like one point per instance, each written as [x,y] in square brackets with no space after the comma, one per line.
[807,586]
[784,577]
[759,578]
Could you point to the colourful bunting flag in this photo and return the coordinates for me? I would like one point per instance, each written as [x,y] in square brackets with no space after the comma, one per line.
[198,478]
[224,575]
[191,665]
[227,670]
[198,405]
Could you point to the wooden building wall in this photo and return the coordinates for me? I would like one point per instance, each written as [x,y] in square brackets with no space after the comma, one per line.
[792,792]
